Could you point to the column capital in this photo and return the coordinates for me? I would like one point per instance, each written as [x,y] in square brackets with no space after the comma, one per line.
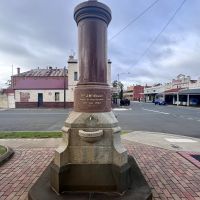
[94,10]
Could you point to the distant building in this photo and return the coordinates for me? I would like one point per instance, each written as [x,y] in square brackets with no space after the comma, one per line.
[48,88]
[180,91]
[134,93]
[128,94]
[138,93]
[151,92]
[41,88]
[7,99]
[182,81]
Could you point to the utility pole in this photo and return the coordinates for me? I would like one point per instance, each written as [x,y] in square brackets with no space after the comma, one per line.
[64,86]
[12,85]
[120,87]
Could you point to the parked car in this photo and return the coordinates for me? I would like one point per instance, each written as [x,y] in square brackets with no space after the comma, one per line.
[159,102]
[194,101]
[124,102]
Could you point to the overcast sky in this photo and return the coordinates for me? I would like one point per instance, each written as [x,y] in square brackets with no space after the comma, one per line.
[39,33]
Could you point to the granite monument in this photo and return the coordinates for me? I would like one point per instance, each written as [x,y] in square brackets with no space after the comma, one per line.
[91,158]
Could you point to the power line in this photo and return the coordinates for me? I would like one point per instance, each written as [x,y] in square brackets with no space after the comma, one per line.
[134,20]
[162,30]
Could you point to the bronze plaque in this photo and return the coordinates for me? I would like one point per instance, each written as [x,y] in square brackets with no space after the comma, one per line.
[92,99]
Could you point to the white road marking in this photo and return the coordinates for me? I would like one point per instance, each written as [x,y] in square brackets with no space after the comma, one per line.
[156,111]
[190,118]
[122,109]
[177,140]
[33,113]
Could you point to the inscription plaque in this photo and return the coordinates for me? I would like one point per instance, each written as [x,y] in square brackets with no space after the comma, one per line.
[92,99]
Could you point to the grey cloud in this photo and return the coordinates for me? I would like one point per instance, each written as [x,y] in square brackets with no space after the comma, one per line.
[39,33]
[14,49]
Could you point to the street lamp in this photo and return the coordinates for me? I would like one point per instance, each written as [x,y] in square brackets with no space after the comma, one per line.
[121,74]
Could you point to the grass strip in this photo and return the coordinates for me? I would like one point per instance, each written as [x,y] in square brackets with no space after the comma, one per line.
[30,134]
[35,134]
[2,150]
[123,132]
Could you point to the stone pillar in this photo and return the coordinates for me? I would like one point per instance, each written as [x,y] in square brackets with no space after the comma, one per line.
[188,100]
[173,99]
[177,102]
[93,94]
[91,156]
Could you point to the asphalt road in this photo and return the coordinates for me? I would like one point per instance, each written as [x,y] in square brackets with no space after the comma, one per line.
[32,119]
[166,119]
[139,117]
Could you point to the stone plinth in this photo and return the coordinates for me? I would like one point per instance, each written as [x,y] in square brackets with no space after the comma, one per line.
[91,157]
[138,189]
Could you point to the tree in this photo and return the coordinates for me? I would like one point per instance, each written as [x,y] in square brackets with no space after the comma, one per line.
[119,87]
[8,83]
[115,83]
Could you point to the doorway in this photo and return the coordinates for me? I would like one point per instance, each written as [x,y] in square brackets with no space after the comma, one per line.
[40,99]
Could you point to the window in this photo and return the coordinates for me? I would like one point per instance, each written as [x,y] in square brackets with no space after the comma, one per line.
[75,76]
[57,96]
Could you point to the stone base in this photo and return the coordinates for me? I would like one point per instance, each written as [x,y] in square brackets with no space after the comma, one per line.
[90,177]
[138,187]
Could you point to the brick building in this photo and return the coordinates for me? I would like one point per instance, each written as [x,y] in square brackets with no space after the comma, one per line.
[41,88]
[138,93]
[48,88]
[128,94]
[134,93]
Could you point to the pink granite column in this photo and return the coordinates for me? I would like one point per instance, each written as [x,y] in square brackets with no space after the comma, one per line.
[92,93]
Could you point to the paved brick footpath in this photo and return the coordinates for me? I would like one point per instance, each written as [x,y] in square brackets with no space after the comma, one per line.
[169,174]
[18,174]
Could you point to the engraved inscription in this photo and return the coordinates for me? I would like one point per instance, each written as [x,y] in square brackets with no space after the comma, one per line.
[92,99]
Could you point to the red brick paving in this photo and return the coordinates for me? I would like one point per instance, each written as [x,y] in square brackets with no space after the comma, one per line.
[19,173]
[188,156]
[170,176]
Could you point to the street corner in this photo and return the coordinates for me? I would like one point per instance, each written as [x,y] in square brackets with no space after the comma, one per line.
[193,157]
[169,175]
[164,140]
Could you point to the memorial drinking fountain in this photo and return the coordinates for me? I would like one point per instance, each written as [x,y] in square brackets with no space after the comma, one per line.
[91,158]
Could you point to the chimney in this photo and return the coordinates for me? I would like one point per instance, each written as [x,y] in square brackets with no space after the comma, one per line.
[71,57]
[18,71]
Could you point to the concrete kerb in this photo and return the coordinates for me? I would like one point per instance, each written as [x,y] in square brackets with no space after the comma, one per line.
[31,143]
[187,107]
[5,157]
[166,141]
[3,109]
[156,139]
